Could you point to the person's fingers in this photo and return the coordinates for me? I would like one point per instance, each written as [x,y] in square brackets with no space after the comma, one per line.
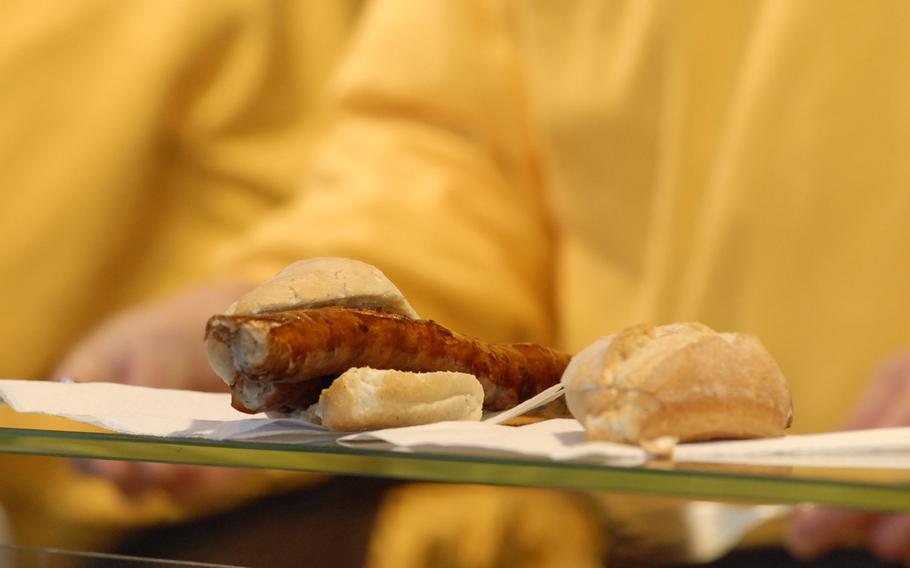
[102,468]
[139,350]
[186,483]
[887,401]
[159,344]
[818,530]
[93,359]
[134,478]
[891,379]
[889,539]
[124,475]
[162,355]
[192,483]
[149,364]
[897,413]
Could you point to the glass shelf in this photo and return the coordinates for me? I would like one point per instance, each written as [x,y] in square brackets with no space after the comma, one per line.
[31,557]
[872,489]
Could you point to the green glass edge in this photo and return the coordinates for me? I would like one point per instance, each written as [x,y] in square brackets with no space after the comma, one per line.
[712,485]
[44,556]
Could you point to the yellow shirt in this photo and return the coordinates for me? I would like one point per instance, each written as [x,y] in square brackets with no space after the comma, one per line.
[134,137]
[558,171]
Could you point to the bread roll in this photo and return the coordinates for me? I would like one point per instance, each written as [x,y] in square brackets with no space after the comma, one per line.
[365,398]
[319,282]
[681,382]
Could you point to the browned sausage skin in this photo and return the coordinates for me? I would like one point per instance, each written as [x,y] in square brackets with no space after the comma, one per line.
[301,346]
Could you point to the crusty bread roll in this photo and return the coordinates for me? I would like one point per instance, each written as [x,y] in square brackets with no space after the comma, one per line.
[330,281]
[680,382]
[365,399]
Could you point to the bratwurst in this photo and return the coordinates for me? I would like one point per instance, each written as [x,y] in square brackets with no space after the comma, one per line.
[283,359]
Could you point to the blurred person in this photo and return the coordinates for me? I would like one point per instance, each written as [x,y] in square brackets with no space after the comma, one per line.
[134,138]
[573,169]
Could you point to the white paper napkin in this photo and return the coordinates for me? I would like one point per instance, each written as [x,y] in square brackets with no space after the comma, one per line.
[188,414]
[152,412]
[874,448]
[558,439]
[174,413]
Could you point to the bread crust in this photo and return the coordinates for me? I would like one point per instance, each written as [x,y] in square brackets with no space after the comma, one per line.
[683,381]
[325,281]
[363,398]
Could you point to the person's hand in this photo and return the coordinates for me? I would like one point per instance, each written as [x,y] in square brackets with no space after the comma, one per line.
[816,531]
[159,345]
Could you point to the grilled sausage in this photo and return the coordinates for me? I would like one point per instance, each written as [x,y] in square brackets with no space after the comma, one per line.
[302,346]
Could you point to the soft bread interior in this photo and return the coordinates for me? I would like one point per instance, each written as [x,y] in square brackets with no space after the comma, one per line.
[221,358]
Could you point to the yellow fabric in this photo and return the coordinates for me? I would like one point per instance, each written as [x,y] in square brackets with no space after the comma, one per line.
[134,137]
[558,171]
[474,526]
[524,171]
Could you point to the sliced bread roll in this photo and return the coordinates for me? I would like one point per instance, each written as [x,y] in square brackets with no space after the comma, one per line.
[364,398]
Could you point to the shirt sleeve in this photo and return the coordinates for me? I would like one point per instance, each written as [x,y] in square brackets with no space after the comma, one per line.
[426,169]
